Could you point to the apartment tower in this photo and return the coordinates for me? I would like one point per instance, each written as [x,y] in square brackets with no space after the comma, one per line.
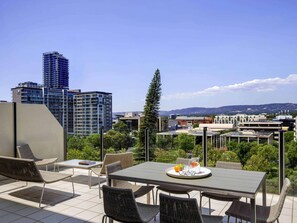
[55,70]
[92,111]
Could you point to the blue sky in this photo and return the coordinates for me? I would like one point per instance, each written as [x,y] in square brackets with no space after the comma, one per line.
[210,53]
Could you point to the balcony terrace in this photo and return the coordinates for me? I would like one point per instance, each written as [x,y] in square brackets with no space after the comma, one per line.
[19,203]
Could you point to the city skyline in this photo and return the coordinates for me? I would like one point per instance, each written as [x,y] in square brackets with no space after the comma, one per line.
[210,54]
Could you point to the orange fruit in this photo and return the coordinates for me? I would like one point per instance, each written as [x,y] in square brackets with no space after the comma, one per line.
[194,164]
[177,168]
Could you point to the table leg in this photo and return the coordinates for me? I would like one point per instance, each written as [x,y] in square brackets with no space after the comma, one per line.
[90,175]
[58,168]
[253,210]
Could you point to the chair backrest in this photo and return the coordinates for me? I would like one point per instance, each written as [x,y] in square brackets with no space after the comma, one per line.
[277,208]
[25,152]
[19,169]
[179,210]
[120,204]
[113,167]
[182,161]
[125,158]
[229,165]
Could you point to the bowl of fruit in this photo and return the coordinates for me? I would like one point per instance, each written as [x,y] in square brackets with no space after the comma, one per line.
[192,170]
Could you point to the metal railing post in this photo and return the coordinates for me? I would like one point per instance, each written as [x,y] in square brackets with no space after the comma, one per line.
[204,145]
[281,159]
[101,143]
[146,145]
[65,143]
[15,128]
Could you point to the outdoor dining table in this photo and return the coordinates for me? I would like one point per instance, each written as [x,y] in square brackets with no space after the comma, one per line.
[225,181]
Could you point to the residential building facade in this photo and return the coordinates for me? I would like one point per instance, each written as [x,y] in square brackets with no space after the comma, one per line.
[60,102]
[55,70]
[246,136]
[132,120]
[186,121]
[27,92]
[238,118]
[92,111]
[89,111]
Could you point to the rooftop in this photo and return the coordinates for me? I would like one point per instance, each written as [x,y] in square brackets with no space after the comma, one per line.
[19,203]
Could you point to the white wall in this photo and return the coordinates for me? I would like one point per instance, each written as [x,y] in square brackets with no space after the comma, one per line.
[36,126]
[6,129]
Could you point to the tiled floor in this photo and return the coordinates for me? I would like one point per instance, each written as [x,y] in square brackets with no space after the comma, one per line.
[19,203]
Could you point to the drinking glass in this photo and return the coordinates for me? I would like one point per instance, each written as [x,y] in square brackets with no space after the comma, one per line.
[194,165]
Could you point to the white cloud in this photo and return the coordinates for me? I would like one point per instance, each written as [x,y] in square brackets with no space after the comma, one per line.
[258,85]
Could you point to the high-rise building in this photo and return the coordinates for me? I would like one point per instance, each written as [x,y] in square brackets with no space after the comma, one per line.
[92,110]
[82,113]
[55,70]
[27,92]
[60,103]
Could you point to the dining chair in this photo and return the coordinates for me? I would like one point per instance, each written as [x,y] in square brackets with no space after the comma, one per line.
[120,205]
[25,152]
[221,197]
[173,189]
[183,210]
[126,161]
[265,214]
[138,190]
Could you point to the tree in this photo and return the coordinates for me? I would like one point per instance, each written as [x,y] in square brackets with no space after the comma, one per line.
[116,140]
[292,154]
[76,142]
[289,136]
[150,118]
[121,127]
[164,142]
[185,142]
[258,163]
[93,141]
[245,151]
[229,156]
[264,159]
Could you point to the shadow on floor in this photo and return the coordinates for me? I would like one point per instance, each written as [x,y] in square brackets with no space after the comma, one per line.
[83,179]
[50,197]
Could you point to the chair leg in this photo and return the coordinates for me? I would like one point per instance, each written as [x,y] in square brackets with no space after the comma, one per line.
[104,218]
[73,192]
[99,186]
[153,197]
[156,196]
[201,202]
[188,195]
[41,195]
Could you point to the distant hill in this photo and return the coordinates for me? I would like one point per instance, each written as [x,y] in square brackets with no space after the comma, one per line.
[233,109]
